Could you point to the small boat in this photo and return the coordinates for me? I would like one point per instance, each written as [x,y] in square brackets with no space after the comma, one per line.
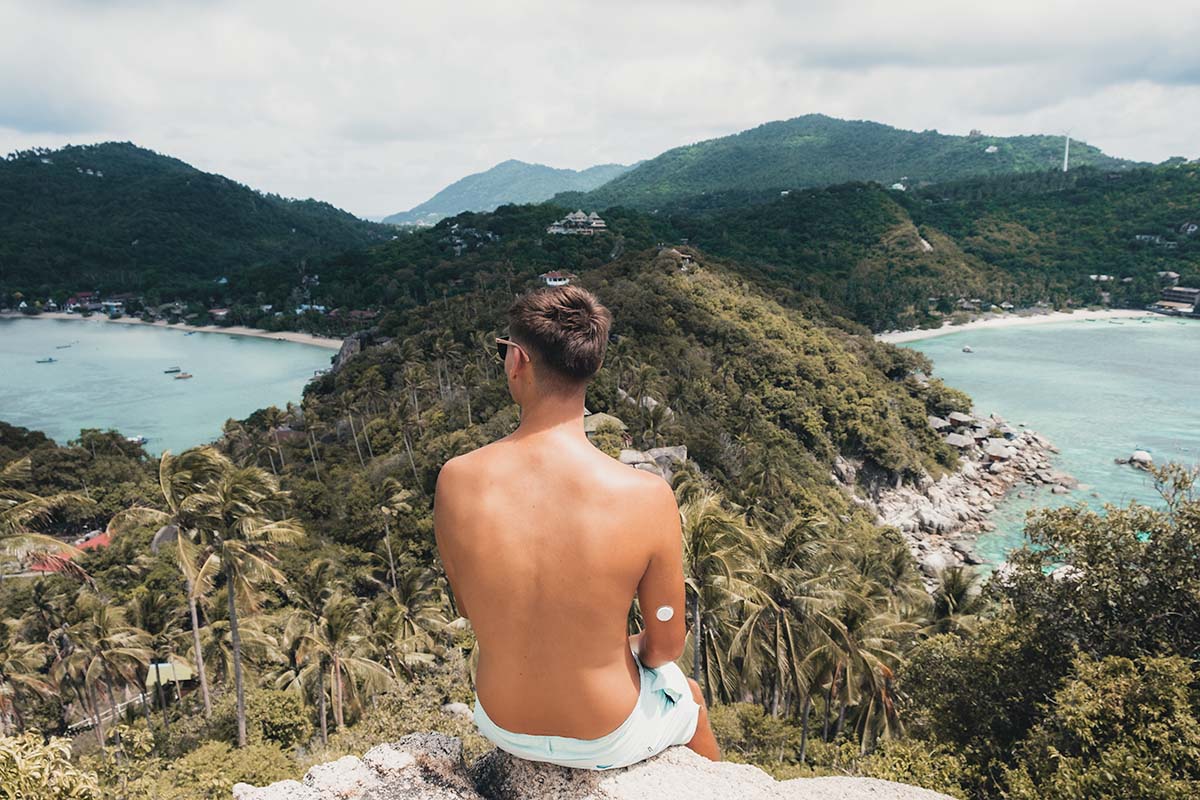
[183,376]
[967,348]
[136,439]
[47,360]
[1115,322]
[171,370]
[190,333]
[61,346]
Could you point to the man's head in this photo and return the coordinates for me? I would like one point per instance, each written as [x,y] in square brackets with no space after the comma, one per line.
[563,332]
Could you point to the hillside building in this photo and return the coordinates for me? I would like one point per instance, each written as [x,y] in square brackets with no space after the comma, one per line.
[556,278]
[1179,300]
[578,224]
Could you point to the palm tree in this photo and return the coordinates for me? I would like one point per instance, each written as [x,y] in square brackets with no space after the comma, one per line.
[108,649]
[20,510]
[406,623]
[241,515]
[957,602]
[154,614]
[20,672]
[179,479]
[720,553]
[336,640]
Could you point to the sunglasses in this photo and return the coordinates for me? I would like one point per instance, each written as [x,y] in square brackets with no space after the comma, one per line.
[502,346]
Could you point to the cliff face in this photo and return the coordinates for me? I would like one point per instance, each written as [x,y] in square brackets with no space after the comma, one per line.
[430,767]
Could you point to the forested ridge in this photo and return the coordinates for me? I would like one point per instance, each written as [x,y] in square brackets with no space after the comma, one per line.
[818,645]
[121,218]
[816,150]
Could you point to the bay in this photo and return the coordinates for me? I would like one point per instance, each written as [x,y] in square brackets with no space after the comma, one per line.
[1098,390]
[112,376]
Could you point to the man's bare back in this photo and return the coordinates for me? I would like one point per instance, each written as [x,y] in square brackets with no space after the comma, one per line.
[545,541]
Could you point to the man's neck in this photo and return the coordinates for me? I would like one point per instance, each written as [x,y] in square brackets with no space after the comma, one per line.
[553,418]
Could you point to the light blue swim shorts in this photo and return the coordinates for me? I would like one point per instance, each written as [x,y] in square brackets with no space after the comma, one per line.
[666,714]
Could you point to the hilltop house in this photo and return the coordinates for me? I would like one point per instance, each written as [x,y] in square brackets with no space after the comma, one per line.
[578,224]
[556,278]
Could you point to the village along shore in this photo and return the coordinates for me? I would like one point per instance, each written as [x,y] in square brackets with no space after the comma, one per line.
[1012,319]
[330,343]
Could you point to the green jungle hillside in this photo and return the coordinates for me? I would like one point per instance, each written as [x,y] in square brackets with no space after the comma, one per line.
[816,150]
[123,218]
[511,181]
[298,553]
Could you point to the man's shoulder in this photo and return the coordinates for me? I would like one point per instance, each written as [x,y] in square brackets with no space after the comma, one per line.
[466,464]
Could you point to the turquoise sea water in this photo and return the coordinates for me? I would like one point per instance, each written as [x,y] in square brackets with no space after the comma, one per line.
[1098,390]
[112,376]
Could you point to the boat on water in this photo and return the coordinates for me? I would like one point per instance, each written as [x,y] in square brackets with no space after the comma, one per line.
[1115,322]
[183,376]
[61,346]
[136,439]
[190,333]
[967,348]
[171,370]
[47,360]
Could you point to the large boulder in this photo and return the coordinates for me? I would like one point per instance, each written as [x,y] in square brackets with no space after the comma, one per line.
[430,767]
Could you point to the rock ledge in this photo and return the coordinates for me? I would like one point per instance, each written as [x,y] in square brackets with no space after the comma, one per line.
[429,766]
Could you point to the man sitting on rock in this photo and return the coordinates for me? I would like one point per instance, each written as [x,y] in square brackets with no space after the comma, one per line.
[546,541]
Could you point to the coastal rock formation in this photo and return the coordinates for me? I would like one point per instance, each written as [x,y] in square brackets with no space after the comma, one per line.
[424,766]
[940,519]
[659,460]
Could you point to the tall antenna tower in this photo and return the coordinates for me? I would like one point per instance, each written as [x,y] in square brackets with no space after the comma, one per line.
[1067,152]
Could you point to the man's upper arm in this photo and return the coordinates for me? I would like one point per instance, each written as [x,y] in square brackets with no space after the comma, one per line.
[662,583]
[446,505]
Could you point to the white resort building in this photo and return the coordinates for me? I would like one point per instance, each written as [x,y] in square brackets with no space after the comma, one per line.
[578,224]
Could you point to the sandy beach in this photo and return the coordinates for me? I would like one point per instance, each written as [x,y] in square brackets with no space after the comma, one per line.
[233,330]
[1011,320]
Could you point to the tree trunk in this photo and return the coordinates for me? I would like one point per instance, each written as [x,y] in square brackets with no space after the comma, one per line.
[367,439]
[146,711]
[112,705]
[275,436]
[841,719]
[354,433]
[696,642]
[95,705]
[321,705]
[313,452]
[387,541]
[804,726]
[199,653]
[411,461]
[236,638]
[162,698]
[339,714]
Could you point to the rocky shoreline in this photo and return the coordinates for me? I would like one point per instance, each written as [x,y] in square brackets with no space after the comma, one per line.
[940,519]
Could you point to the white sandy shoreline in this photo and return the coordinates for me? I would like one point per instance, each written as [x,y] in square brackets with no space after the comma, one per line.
[1012,320]
[233,330]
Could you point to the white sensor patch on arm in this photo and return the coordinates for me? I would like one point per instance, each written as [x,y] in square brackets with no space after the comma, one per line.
[664,613]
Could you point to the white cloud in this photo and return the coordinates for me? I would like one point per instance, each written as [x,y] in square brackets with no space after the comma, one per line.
[375,106]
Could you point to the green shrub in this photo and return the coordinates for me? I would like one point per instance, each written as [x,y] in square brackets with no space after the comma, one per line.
[210,771]
[31,768]
[1119,728]
[271,716]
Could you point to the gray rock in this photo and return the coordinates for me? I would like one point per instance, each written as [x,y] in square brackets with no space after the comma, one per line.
[458,710]
[1058,488]
[430,767]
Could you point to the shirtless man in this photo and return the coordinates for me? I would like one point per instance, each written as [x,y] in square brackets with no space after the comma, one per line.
[546,540]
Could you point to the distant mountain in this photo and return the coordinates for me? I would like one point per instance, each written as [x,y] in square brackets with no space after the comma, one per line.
[816,150]
[120,217]
[509,182]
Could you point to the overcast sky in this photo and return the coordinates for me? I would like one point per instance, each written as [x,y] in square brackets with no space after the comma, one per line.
[374,106]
